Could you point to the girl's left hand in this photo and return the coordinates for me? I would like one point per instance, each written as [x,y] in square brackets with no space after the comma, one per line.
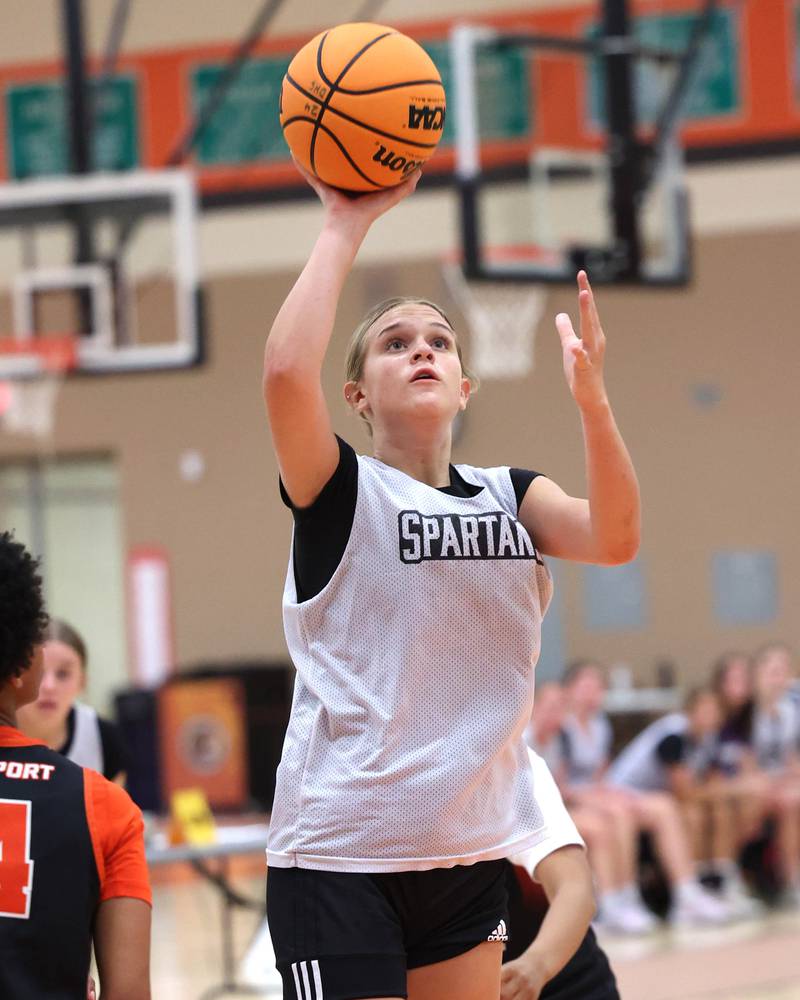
[583,356]
[522,979]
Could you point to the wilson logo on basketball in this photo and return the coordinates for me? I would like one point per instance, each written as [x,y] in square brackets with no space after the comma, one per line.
[427,118]
[388,158]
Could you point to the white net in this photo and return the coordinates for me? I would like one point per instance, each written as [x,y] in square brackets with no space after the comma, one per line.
[29,407]
[32,373]
[503,318]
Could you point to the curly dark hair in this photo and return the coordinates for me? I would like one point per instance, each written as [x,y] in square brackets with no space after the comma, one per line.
[23,618]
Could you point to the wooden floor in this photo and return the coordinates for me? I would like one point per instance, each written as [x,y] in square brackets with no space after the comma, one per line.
[758,960]
[754,960]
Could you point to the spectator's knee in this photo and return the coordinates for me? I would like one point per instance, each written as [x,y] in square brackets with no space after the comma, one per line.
[595,831]
[660,807]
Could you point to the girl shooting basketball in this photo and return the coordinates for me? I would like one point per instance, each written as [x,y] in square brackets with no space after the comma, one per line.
[412,609]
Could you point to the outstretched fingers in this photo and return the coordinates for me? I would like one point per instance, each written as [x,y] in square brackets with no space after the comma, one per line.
[566,330]
[591,330]
[571,343]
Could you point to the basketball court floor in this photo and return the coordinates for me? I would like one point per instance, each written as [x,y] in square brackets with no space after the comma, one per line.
[753,960]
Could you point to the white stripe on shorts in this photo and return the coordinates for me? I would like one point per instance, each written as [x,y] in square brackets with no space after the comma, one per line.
[297,982]
[317,979]
[303,990]
[306,983]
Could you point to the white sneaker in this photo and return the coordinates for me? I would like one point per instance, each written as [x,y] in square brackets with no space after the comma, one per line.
[633,899]
[697,907]
[625,917]
[743,906]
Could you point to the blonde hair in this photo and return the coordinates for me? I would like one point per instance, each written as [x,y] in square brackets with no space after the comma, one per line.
[357,348]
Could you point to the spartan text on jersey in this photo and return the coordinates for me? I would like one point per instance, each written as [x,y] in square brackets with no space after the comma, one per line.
[494,535]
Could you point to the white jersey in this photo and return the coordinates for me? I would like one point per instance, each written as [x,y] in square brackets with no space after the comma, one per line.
[86,748]
[643,767]
[414,684]
[560,827]
[776,735]
[588,748]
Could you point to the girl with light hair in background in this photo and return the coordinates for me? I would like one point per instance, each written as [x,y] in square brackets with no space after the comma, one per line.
[61,720]
[774,738]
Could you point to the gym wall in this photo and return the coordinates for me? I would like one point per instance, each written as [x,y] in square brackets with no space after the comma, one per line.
[717,477]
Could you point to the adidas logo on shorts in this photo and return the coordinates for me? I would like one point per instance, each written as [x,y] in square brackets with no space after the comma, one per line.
[500,933]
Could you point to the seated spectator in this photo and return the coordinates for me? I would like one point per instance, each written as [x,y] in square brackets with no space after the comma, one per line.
[687,738]
[65,724]
[678,754]
[775,728]
[732,681]
[611,840]
[588,744]
[72,864]
[775,740]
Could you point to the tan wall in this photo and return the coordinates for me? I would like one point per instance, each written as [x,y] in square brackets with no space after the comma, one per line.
[711,479]
[33,27]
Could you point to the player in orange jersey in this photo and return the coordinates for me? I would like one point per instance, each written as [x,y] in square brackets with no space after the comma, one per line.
[72,865]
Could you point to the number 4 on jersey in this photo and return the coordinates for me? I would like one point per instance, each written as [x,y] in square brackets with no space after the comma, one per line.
[16,867]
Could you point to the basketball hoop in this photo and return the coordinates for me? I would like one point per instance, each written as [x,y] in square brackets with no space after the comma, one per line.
[502,316]
[32,372]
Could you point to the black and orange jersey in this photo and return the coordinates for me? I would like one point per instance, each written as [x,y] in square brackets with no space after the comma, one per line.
[69,839]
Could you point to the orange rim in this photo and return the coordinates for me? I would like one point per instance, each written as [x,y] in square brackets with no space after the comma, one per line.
[55,353]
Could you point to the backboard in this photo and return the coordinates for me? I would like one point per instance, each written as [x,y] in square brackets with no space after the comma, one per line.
[595,179]
[108,259]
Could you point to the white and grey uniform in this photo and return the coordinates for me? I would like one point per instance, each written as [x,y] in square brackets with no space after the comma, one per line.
[643,764]
[405,749]
[86,746]
[94,742]
[588,748]
[775,735]
[553,753]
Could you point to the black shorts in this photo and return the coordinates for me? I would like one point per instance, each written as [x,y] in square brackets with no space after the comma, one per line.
[345,935]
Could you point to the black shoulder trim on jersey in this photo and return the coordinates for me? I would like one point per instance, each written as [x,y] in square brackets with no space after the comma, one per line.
[459,487]
[521,479]
[322,530]
[672,749]
[347,460]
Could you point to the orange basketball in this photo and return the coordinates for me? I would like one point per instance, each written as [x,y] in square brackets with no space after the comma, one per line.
[362,106]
